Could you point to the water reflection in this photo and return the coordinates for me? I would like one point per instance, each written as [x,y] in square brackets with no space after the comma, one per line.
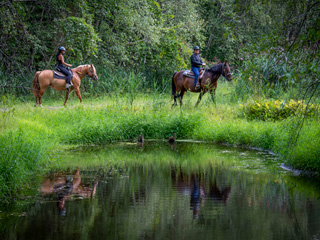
[62,186]
[195,200]
[173,146]
[195,192]
[219,195]
[200,192]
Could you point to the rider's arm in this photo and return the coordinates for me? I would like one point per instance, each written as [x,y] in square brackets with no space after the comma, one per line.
[61,58]
[202,63]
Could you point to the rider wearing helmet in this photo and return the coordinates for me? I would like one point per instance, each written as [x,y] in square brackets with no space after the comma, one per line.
[195,65]
[62,64]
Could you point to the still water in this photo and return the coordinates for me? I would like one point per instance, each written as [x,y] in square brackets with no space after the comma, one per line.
[161,191]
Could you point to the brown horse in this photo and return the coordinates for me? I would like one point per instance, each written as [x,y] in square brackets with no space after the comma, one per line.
[43,79]
[182,84]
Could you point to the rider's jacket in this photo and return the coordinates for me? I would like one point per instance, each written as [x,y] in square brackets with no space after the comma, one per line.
[195,61]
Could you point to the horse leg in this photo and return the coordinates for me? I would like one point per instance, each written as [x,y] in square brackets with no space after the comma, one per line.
[213,93]
[175,100]
[67,96]
[181,97]
[41,92]
[37,102]
[37,96]
[78,94]
[199,99]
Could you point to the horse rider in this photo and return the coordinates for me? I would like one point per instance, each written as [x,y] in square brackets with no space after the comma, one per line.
[62,64]
[195,65]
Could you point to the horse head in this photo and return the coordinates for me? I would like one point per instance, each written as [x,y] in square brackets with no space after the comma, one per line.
[92,72]
[226,72]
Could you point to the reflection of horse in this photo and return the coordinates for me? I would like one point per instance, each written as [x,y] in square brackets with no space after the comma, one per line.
[45,78]
[195,200]
[191,186]
[219,195]
[65,186]
[182,84]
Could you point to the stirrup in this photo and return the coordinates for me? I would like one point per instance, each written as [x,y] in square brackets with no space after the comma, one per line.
[69,85]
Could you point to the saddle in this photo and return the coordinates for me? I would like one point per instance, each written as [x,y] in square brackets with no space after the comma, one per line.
[59,75]
[190,74]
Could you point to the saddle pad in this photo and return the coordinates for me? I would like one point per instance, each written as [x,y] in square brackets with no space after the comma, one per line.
[60,75]
[188,73]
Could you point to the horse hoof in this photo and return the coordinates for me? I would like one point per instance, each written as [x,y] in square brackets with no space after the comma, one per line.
[41,106]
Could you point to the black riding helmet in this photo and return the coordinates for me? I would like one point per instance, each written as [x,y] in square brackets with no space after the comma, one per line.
[61,48]
[196,48]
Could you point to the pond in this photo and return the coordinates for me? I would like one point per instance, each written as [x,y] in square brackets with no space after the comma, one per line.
[162,191]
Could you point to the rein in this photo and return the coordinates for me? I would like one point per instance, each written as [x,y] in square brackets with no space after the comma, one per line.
[80,73]
[200,77]
[90,72]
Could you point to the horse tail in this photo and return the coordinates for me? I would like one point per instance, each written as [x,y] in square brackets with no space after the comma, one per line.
[35,83]
[173,85]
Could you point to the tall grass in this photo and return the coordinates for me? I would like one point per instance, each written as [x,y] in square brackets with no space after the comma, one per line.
[274,75]
[110,119]
[21,157]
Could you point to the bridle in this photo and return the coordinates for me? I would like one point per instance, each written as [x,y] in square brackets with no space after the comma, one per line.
[90,73]
[226,76]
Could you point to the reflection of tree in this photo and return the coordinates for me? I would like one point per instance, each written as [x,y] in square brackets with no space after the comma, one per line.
[64,187]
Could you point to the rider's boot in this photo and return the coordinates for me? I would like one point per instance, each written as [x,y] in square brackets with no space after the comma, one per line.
[197,86]
[69,85]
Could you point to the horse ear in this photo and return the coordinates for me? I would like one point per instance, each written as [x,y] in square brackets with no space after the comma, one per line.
[225,63]
[91,65]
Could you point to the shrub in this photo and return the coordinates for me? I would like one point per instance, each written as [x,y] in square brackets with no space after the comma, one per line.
[277,110]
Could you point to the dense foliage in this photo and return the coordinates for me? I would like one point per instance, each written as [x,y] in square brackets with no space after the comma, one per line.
[151,34]
[273,46]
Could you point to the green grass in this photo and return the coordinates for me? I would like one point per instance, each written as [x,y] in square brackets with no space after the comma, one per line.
[27,133]
[21,156]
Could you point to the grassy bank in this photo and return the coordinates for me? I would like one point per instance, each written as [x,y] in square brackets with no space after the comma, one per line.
[28,134]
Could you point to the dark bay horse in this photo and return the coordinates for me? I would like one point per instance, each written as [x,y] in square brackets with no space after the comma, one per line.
[181,84]
[45,78]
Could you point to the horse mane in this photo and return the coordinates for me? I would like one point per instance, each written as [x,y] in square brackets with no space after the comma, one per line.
[216,69]
[81,66]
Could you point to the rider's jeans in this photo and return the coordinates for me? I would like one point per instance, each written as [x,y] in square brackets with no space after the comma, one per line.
[195,70]
[65,72]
